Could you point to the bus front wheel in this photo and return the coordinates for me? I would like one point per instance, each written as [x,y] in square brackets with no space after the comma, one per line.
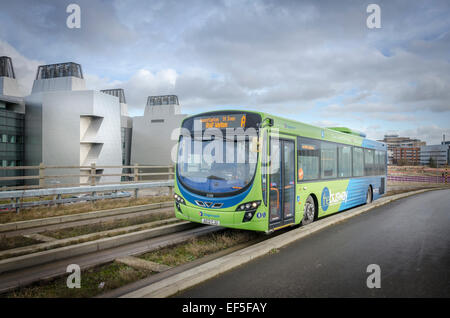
[309,212]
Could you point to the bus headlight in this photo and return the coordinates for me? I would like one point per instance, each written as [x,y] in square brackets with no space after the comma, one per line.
[249,206]
[248,216]
[179,199]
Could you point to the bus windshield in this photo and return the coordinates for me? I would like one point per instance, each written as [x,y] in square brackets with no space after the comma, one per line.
[217,165]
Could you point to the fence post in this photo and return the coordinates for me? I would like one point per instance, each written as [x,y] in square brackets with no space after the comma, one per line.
[93,174]
[136,173]
[58,197]
[170,178]
[41,175]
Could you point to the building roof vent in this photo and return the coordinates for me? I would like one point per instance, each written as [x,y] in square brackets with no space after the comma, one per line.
[59,70]
[162,100]
[6,67]
[118,92]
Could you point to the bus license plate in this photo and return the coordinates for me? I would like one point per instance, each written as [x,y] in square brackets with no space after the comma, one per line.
[210,222]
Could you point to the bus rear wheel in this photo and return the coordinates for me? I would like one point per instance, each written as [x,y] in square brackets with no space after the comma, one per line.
[369,195]
[309,212]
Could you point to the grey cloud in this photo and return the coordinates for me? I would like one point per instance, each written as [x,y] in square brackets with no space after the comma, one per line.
[25,69]
[282,56]
[40,26]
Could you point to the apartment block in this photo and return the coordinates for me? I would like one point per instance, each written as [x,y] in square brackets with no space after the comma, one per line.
[395,141]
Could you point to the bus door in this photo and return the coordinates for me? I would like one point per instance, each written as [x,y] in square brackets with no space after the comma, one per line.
[281,182]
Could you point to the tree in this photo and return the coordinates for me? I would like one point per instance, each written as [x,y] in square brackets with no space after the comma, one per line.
[433,163]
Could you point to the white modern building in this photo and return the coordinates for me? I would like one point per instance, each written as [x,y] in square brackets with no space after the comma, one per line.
[12,109]
[126,123]
[63,124]
[153,134]
[68,125]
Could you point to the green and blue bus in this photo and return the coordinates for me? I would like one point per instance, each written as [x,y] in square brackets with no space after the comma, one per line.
[268,172]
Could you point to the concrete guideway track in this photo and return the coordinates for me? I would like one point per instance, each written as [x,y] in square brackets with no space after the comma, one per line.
[80,219]
[14,279]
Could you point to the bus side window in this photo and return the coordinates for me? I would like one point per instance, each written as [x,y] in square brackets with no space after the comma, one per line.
[358,162]
[328,161]
[308,159]
[345,161]
[368,162]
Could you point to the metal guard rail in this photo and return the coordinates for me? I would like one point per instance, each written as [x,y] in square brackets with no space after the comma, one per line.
[58,192]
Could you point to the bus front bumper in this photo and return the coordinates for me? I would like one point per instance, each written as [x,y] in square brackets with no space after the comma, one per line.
[231,219]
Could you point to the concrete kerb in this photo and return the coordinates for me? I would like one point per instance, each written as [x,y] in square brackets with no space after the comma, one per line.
[38,258]
[80,216]
[194,276]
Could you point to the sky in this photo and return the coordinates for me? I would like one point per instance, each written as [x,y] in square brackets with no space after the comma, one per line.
[312,61]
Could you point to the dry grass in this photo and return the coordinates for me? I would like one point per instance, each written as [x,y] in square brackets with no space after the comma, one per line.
[394,192]
[408,187]
[98,227]
[113,275]
[417,170]
[7,243]
[199,247]
[82,207]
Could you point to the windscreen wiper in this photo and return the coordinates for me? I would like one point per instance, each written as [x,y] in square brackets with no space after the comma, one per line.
[214,177]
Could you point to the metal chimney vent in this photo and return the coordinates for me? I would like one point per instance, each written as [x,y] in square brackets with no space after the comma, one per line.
[59,70]
[6,67]
[118,92]
[162,100]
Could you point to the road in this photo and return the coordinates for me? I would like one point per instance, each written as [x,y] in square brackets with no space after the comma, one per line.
[409,239]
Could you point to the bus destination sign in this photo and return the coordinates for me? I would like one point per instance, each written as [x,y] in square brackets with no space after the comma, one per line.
[223,121]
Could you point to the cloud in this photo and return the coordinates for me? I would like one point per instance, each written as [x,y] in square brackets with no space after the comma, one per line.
[284,57]
[24,68]
[142,84]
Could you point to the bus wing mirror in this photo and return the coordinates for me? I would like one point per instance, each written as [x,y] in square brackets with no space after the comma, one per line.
[267,122]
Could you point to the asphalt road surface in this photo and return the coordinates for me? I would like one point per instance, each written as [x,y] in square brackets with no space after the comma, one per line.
[409,239]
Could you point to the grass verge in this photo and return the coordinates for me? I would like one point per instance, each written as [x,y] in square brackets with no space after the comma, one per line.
[394,192]
[85,238]
[105,226]
[198,247]
[7,243]
[115,275]
[81,207]
[112,275]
